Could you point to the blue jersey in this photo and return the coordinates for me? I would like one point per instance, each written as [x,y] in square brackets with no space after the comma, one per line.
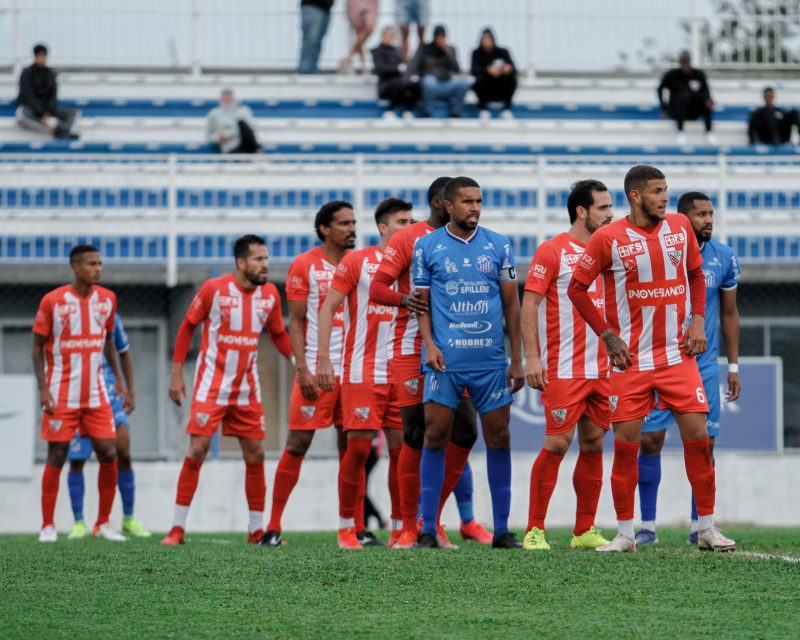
[464,279]
[721,271]
[122,345]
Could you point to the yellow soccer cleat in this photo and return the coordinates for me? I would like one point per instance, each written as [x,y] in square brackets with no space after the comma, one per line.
[535,541]
[590,539]
[134,528]
[79,530]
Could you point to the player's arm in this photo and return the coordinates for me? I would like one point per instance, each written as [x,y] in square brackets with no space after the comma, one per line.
[729,323]
[694,340]
[177,386]
[45,398]
[297,335]
[535,371]
[325,373]
[510,298]
[277,332]
[126,364]
[110,354]
[433,357]
[381,291]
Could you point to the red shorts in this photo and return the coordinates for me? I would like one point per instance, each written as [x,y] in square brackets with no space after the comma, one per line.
[370,406]
[95,422]
[408,381]
[305,415]
[679,387]
[239,421]
[566,401]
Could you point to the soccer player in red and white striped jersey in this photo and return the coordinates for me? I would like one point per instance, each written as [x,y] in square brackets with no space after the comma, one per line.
[369,395]
[71,334]
[652,274]
[233,310]
[568,363]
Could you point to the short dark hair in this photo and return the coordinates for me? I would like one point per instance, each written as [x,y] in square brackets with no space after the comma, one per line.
[582,195]
[77,252]
[768,89]
[325,215]
[241,247]
[638,176]
[436,186]
[388,207]
[686,201]
[457,183]
[39,48]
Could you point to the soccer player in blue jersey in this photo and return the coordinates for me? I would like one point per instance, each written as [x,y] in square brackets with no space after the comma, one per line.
[466,275]
[721,270]
[80,449]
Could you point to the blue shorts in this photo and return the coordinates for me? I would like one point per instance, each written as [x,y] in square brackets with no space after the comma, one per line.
[660,419]
[80,448]
[488,390]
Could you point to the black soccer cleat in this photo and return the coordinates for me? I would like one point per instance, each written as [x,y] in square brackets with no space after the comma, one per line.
[506,541]
[368,539]
[426,541]
[270,540]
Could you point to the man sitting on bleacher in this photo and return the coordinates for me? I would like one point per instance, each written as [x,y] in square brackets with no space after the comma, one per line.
[436,64]
[230,126]
[393,84]
[37,105]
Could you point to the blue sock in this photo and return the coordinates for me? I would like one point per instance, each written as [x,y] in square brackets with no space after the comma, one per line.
[498,467]
[463,494]
[431,472]
[649,479]
[127,488]
[76,491]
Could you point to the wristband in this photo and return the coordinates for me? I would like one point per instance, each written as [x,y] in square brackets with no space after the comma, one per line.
[733,367]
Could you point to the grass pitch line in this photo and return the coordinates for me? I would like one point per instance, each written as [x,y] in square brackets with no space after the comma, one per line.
[768,556]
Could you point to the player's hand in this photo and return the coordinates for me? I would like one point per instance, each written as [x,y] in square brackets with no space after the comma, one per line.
[434,358]
[129,401]
[414,303]
[515,376]
[734,387]
[308,386]
[618,351]
[177,387]
[694,340]
[325,374]
[46,401]
[535,373]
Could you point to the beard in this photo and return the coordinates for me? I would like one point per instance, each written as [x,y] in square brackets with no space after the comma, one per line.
[651,216]
[256,278]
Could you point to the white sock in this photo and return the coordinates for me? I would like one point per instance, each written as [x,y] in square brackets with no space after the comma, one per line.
[256,521]
[181,513]
[397,525]
[694,527]
[626,528]
[346,523]
[650,525]
[704,522]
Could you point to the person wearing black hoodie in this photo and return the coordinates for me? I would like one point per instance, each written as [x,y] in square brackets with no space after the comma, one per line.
[495,75]
[388,65]
[436,64]
[37,104]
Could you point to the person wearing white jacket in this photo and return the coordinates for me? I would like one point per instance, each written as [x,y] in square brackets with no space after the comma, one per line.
[230,126]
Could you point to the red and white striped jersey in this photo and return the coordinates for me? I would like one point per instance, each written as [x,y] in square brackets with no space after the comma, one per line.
[645,276]
[397,261]
[76,330]
[233,319]
[309,278]
[368,325]
[567,345]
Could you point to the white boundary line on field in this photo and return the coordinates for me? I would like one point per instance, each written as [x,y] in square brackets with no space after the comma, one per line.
[767,556]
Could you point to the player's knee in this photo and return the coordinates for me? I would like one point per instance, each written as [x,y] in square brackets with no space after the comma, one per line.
[106,455]
[124,460]
[557,445]
[593,443]
[464,439]
[499,440]
[297,446]
[652,443]
[198,451]
[56,457]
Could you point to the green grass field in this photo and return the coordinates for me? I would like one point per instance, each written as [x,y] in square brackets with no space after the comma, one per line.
[217,587]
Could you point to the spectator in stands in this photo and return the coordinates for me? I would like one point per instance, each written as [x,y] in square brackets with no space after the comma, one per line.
[436,65]
[393,84]
[689,97]
[410,12]
[315,15]
[770,124]
[230,126]
[361,14]
[37,103]
[495,75]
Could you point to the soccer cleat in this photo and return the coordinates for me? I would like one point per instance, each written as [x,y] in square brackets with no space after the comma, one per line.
[79,530]
[426,541]
[348,539]
[106,532]
[473,531]
[590,539]
[620,544]
[645,536]
[692,539]
[407,540]
[534,540]
[254,537]
[712,539]
[368,539]
[134,528]
[394,537]
[271,539]
[506,540]
[174,537]
[48,534]
[443,541]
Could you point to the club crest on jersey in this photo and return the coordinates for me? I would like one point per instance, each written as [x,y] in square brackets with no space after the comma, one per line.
[65,310]
[55,426]
[612,403]
[202,419]
[630,264]
[450,266]
[308,411]
[559,416]
[675,257]
[362,413]
[451,287]
[412,386]
[484,264]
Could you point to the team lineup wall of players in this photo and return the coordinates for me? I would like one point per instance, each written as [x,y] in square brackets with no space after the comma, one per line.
[619,323]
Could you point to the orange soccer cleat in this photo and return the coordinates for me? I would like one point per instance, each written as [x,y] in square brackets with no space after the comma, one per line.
[473,531]
[394,537]
[406,540]
[174,537]
[255,536]
[348,539]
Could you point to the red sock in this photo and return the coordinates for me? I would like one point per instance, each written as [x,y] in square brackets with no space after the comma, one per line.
[255,487]
[394,483]
[587,480]
[351,473]
[187,481]
[408,477]
[455,459]
[286,476]
[544,474]
[362,496]
[625,477]
[50,479]
[700,470]
[107,487]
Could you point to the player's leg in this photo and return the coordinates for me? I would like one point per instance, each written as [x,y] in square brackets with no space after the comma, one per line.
[710,376]
[255,486]
[654,431]
[106,451]
[199,446]
[587,479]
[351,476]
[393,432]
[56,457]
[126,481]
[80,450]
[438,426]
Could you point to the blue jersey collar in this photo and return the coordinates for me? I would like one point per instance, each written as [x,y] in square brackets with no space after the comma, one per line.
[455,237]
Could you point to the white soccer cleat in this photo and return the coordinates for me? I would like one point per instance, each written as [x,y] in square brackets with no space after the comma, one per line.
[106,532]
[620,544]
[712,539]
[48,534]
